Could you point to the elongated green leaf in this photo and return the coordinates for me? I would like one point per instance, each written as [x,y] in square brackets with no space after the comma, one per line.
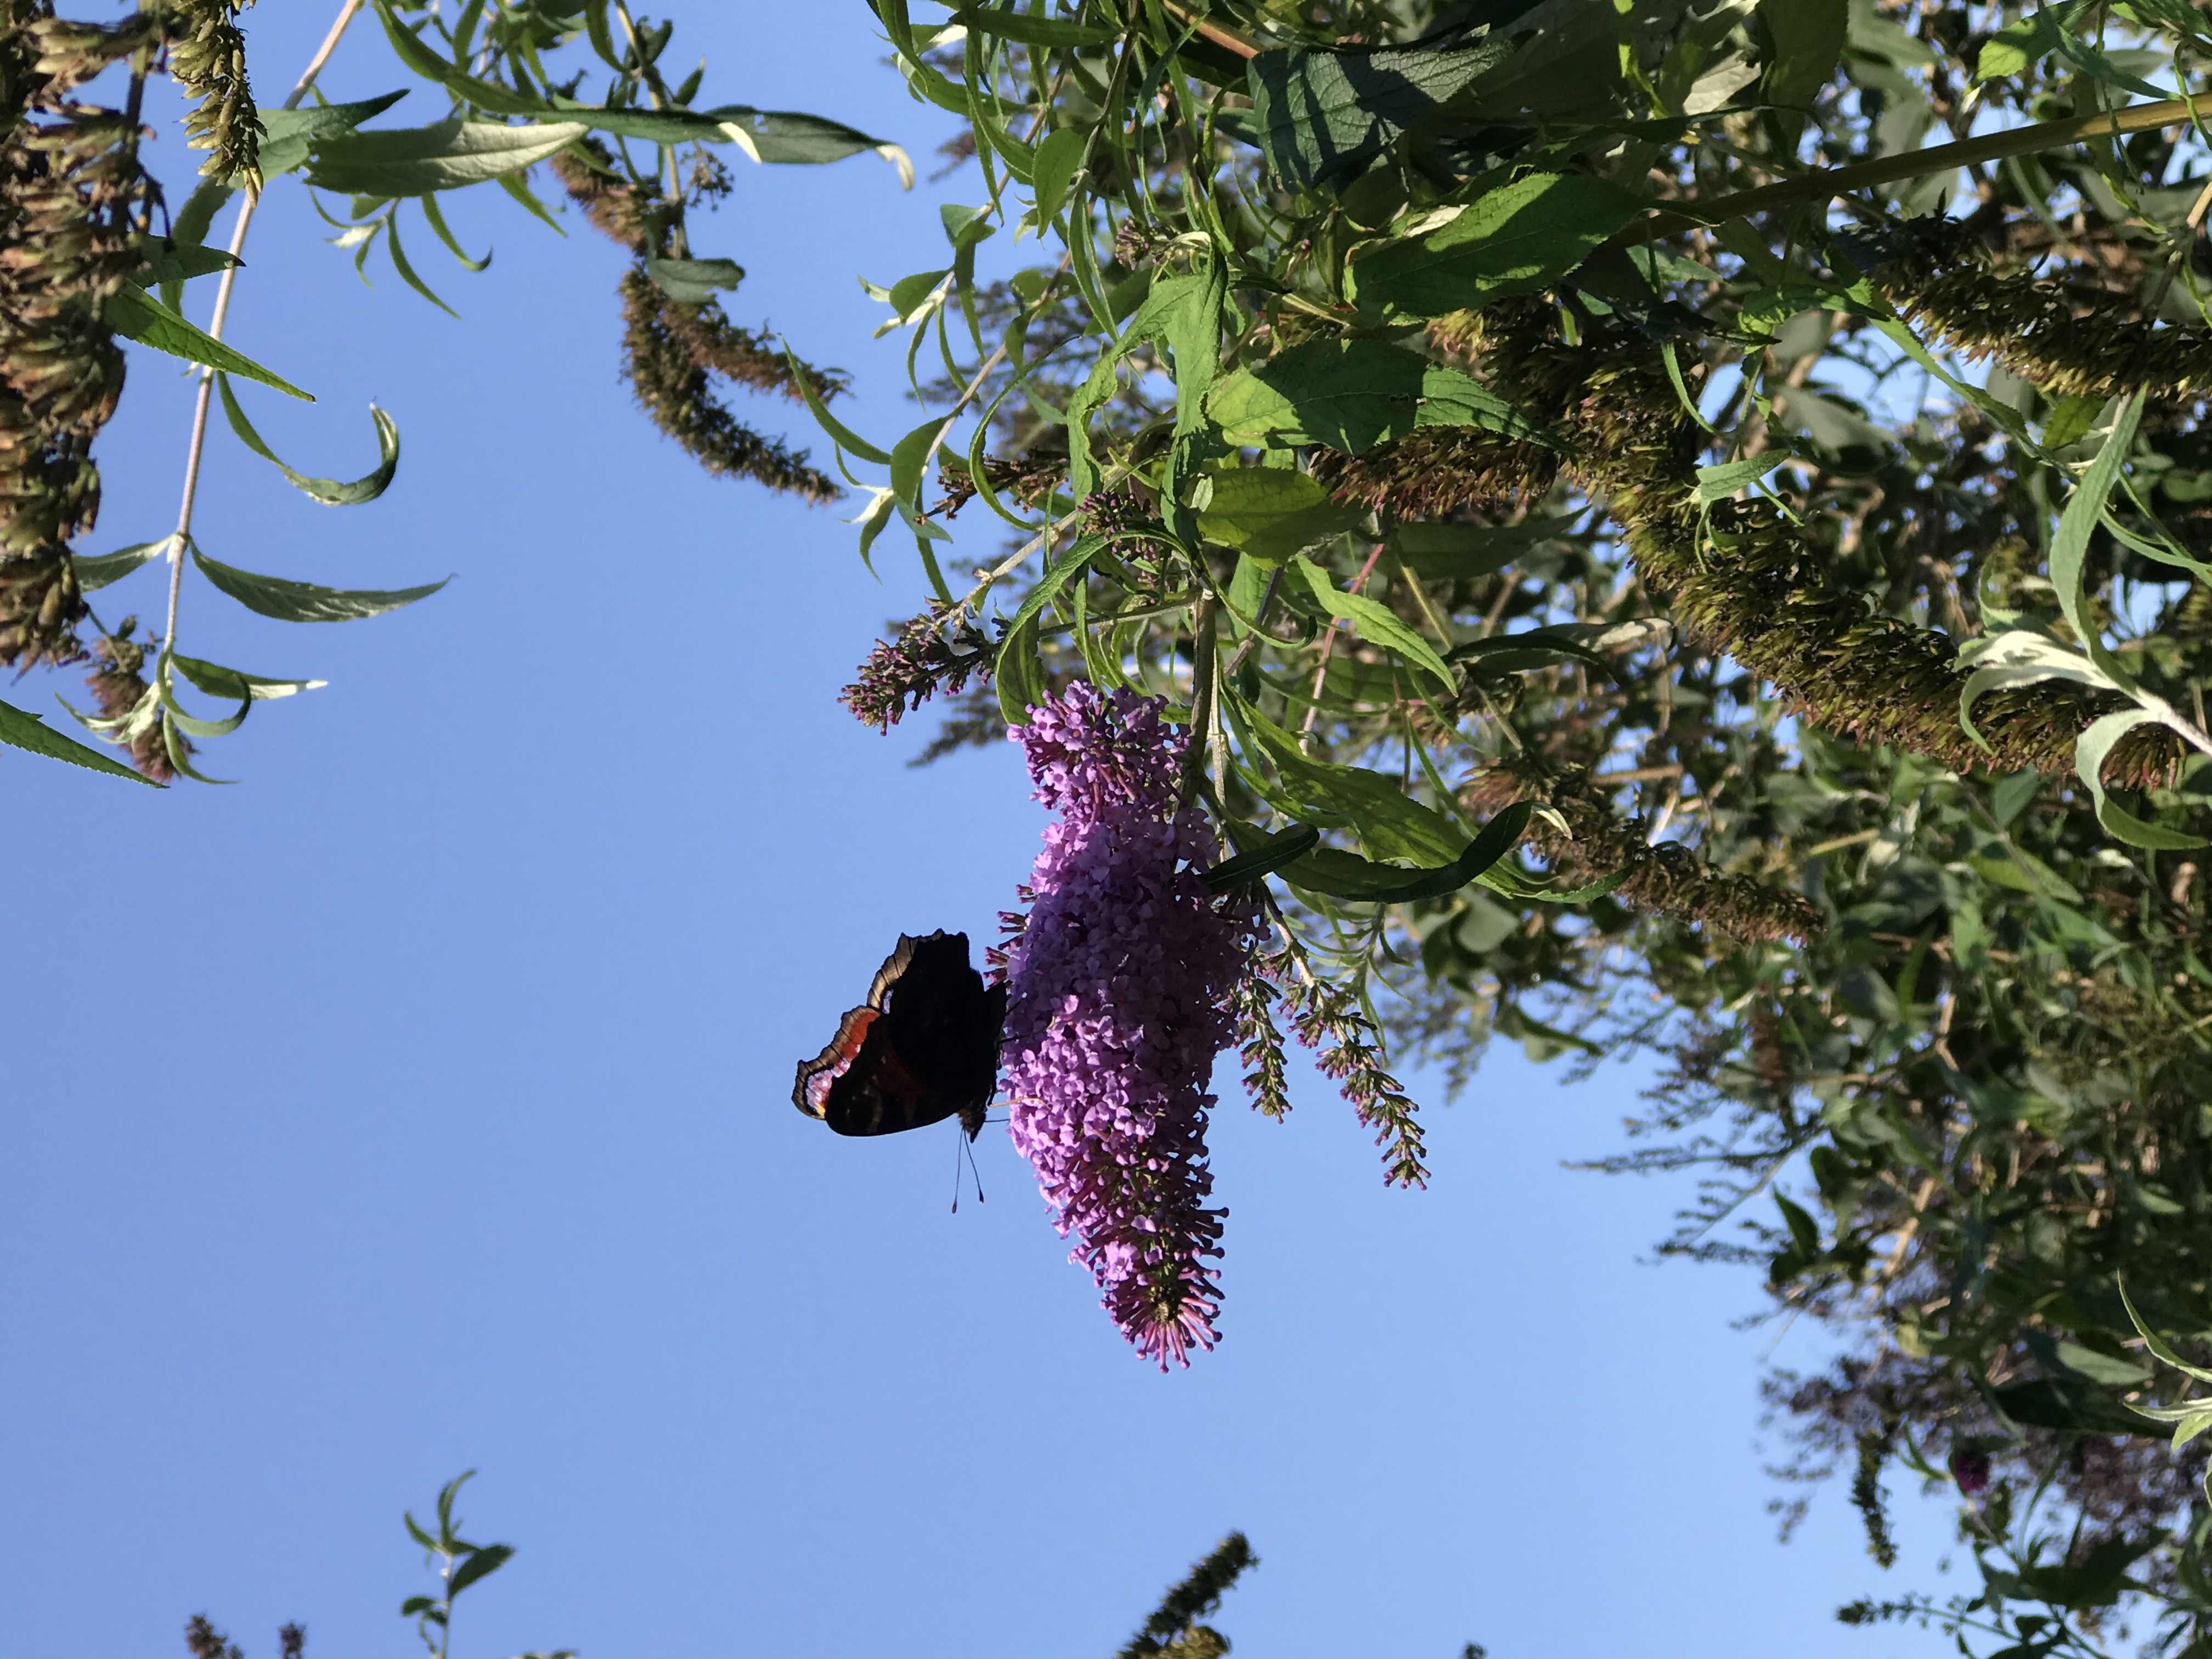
[1051,32]
[1516,237]
[1376,624]
[2070,548]
[1456,552]
[304,602]
[2020,656]
[1353,394]
[138,315]
[1538,648]
[20,729]
[1389,822]
[287,134]
[1324,116]
[1268,513]
[1808,40]
[331,492]
[168,260]
[1018,673]
[1054,171]
[175,713]
[220,681]
[692,281]
[842,436]
[1346,876]
[448,156]
[480,1563]
[2089,754]
[96,571]
[1268,855]
[1719,482]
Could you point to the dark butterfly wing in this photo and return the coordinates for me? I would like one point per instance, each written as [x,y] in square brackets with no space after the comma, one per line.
[924,1048]
[810,1093]
[878,1094]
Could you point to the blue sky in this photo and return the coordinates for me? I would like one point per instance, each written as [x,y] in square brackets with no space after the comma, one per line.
[421,1102]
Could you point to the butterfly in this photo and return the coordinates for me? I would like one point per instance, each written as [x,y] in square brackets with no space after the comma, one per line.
[924,1046]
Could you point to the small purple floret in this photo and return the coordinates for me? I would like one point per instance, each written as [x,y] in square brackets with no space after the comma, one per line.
[1971,1470]
[1118,990]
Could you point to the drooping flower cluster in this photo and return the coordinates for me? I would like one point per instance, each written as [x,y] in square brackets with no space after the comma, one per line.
[1118,987]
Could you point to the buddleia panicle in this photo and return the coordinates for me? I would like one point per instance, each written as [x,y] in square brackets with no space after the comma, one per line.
[938,651]
[1742,577]
[203,1641]
[1327,1017]
[70,186]
[672,349]
[1261,1042]
[2039,329]
[675,390]
[1173,1629]
[1867,1498]
[292,1642]
[207,56]
[1669,878]
[1029,478]
[120,690]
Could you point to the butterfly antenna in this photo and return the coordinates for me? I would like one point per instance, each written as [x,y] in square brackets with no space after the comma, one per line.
[956,1181]
[968,1147]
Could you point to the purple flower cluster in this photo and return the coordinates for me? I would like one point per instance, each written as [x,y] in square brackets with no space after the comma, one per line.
[1118,994]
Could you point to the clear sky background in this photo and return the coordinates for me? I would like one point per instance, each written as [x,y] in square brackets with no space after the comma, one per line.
[421,1101]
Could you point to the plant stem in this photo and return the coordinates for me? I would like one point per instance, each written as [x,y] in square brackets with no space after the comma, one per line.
[198,443]
[1990,146]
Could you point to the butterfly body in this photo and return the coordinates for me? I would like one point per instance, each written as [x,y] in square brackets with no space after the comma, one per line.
[924,1046]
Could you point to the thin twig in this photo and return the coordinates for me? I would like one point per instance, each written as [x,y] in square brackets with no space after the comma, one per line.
[1328,644]
[1831,182]
[198,441]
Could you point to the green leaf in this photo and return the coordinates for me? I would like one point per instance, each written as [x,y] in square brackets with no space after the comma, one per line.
[450,155]
[96,571]
[691,281]
[1514,238]
[304,602]
[289,134]
[1718,483]
[2059,1402]
[1320,116]
[1390,823]
[1266,855]
[2090,750]
[1804,1232]
[2070,548]
[480,1564]
[2071,418]
[841,434]
[2014,46]
[138,315]
[1458,552]
[1346,876]
[1808,43]
[1018,673]
[331,492]
[219,681]
[1057,159]
[1537,648]
[1376,624]
[1269,515]
[2161,1349]
[166,259]
[1353,394]
[21,729]
[1053,33]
